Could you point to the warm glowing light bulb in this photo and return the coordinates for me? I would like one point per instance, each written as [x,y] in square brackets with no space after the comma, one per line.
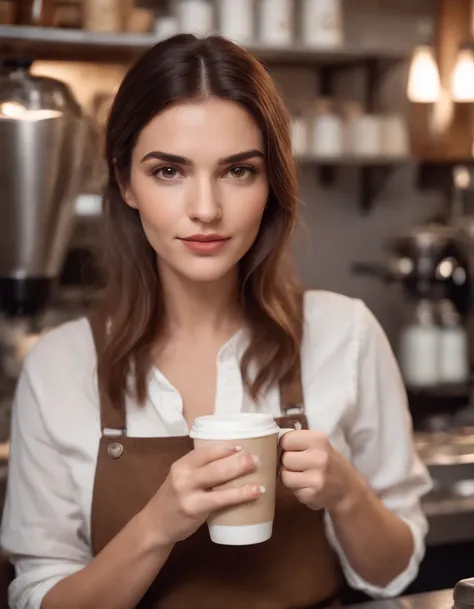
[463,77]
[423,82]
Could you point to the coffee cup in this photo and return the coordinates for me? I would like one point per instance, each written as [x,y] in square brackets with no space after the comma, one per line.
[252,522]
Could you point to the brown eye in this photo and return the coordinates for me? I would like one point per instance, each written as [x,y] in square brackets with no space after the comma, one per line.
[242,172]
[166,173]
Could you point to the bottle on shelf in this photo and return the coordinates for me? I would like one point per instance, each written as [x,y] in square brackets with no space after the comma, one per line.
[7,12]
[35,12]
[107,16]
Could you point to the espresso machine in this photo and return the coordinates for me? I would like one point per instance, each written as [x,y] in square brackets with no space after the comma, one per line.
[430,267]
[43,135]
[43,144]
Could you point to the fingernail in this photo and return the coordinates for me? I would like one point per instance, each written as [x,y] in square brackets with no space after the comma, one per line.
[256,459]
[262,490]
[238,448]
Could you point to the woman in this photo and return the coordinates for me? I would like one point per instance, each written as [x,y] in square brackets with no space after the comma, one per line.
[202,312]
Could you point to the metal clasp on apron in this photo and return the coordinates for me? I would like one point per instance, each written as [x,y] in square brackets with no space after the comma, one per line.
[114,449]
[295,417]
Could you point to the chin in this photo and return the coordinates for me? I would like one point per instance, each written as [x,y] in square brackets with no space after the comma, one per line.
[206,270]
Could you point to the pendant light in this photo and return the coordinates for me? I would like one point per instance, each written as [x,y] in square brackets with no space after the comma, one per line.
[462,84]
[423,81]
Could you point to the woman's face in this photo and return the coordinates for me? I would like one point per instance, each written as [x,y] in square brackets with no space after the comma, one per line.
[199,181]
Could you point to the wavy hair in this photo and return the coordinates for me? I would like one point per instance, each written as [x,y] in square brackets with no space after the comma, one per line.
[176,70]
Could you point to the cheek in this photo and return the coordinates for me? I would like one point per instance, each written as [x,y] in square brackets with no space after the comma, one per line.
[247,215]
[157,206]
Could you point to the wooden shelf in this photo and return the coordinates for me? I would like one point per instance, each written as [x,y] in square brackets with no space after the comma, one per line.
[353,160]
[373,172]
[66,44]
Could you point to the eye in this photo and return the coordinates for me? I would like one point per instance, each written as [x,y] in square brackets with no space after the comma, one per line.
[166,173]
[241,172]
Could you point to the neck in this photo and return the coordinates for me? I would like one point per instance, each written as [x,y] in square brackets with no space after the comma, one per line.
[195,308]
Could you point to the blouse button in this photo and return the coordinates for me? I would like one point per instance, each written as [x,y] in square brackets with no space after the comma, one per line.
[115,450]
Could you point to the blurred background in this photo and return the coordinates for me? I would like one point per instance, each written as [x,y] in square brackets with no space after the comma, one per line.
[382,98]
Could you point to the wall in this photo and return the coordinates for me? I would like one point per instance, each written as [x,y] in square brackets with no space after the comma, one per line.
[334,232]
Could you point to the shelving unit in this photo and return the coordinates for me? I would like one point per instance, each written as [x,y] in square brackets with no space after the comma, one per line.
[79,45]
[65,44]
[373,172]
[353,161]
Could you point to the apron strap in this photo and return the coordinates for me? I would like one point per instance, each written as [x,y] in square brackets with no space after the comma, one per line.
[113,419]
[291,393]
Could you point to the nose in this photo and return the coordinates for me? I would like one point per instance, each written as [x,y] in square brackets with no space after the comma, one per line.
[204,204]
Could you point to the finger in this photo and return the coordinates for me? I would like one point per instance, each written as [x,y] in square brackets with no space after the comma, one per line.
[309,496]
[224,470]
[208,453]
[302,440]
[300,461]
[210,501]
[299,480]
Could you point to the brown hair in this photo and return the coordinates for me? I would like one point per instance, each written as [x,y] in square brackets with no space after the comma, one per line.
[175,70]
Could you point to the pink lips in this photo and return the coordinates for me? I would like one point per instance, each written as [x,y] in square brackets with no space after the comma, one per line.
[205,243]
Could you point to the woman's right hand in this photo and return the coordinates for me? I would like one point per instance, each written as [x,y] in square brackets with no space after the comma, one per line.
[188,495]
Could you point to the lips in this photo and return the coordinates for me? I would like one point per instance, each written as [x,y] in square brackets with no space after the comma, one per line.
[205,238]
[205,244]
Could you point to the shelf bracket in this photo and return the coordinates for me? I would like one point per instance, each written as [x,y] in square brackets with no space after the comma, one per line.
[372,179]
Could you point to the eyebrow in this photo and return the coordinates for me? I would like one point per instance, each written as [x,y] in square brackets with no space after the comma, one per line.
[182,160]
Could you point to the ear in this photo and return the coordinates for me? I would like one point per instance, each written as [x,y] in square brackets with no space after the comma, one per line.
[128,196]
[126,191]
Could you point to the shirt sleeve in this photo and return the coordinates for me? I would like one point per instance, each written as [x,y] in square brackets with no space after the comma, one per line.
[42,527]
[379,434]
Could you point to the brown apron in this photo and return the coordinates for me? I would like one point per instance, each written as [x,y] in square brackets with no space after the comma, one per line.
[295,569]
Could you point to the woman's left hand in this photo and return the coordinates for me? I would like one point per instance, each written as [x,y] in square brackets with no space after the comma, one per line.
[319,476]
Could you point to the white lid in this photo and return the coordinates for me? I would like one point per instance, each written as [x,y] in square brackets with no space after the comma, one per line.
[234,426]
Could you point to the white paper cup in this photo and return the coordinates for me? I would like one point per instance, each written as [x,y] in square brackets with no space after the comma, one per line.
[252,522]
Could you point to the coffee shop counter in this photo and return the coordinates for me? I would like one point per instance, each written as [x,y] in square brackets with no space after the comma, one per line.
[442,599]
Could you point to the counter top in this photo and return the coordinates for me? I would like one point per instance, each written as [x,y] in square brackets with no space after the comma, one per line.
[442,599]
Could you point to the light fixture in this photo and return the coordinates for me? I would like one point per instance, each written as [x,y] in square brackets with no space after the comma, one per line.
[423,81]
[463,76]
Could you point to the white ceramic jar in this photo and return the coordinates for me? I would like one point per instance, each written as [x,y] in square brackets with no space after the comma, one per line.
[321,23]
[394,136]
[165,27]
[454,355]
[453,347]
[195,16]
[363,135]
[420,346]
[276,20]
[236,20]
[299,135]
[328,131]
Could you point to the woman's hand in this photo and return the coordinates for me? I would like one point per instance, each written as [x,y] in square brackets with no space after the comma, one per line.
[188,495]
[319,475]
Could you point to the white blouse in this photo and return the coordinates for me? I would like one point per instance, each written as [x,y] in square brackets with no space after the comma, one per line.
[353,393]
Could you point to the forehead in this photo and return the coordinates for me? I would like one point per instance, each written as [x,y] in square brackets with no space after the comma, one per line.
[201,130]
